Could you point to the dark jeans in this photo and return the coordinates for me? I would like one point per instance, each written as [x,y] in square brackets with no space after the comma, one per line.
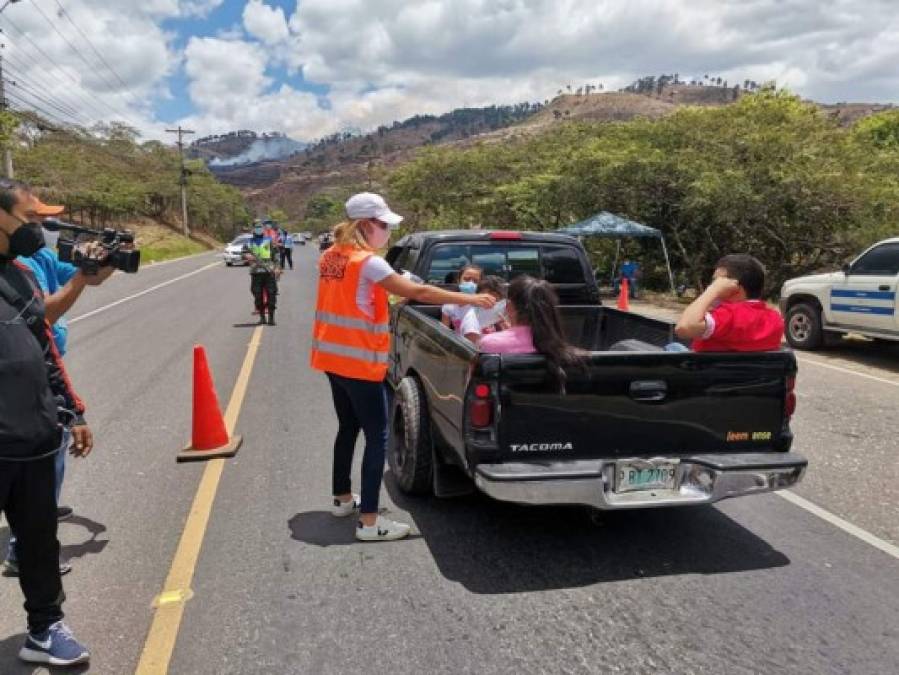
[286,258]
[258,282]
[360,404]
[28,498]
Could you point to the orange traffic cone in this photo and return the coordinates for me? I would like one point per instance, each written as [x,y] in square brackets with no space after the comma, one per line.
[624,298]
[210,437]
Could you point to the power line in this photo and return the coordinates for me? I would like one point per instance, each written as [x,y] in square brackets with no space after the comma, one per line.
[29,106]
[77,51]
[27,90]
[65,13]
[102,114]
[70,44]
[70,100]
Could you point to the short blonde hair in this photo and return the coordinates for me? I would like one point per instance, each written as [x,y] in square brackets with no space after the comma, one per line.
[349,233]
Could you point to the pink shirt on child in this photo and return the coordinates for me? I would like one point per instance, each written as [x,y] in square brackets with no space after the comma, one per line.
[515,340]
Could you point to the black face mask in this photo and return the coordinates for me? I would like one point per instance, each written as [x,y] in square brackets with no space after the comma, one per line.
[27,240]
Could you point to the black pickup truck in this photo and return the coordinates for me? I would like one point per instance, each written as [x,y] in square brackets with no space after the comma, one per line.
[637,426]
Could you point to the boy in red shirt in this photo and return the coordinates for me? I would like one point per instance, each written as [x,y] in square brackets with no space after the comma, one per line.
[730,315]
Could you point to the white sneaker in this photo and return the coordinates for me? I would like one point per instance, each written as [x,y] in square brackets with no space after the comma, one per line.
[382,530]
[344,509]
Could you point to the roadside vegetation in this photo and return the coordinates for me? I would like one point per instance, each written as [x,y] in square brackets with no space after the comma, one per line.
[109,177]
[769,174]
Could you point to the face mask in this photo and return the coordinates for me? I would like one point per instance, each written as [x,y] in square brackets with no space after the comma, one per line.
[27,240]
[469,287]
[258,231]
[378,237]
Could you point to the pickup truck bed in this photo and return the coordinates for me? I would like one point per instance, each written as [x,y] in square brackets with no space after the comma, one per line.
[636,426]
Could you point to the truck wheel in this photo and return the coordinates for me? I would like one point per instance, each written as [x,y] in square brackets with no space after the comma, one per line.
[409,448]
[804,327]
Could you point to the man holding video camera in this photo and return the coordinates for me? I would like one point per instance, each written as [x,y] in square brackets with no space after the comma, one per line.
[62,284]
[36,400]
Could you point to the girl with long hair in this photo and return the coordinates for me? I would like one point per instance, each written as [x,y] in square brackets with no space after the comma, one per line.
[536,328]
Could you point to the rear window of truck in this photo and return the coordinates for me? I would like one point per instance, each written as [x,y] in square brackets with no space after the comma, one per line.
[559,264]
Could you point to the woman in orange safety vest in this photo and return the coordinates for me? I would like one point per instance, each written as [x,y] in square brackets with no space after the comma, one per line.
[351,343]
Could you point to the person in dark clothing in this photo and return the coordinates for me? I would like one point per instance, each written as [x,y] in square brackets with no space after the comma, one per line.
[34,388]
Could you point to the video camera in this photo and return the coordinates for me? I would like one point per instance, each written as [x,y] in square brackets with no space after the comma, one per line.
[115,247]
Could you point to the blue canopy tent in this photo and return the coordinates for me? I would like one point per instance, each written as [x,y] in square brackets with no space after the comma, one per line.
[609,226]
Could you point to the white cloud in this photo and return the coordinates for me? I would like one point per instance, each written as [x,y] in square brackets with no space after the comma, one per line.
[391,59]
[266,23]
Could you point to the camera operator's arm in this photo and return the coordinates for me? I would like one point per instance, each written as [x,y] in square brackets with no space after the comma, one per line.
[61,302]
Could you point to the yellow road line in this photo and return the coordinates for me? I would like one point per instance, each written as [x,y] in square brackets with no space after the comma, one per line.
[169,604]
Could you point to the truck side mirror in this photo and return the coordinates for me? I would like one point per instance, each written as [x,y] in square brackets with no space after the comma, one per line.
[847,268]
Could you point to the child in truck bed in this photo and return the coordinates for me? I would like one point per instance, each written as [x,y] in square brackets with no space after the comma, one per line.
[536,327]
[467,279]
[471,326]
[730,315]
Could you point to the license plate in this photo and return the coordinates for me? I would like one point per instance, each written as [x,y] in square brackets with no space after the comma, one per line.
[649,474]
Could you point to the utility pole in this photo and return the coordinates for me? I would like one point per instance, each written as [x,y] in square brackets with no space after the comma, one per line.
[4,106]
[181,133]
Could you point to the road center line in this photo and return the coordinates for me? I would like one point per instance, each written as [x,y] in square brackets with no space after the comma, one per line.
[850,371]
[142,293]
[170,603]
[844,525]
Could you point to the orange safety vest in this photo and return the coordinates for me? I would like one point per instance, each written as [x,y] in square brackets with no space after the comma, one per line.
[345,341]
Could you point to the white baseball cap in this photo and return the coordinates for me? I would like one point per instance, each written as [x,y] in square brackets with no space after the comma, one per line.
[369,205]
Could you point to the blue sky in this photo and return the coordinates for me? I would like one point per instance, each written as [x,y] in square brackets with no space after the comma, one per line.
[225,18]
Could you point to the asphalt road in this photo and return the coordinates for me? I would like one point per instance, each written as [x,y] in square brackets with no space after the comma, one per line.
[756,585]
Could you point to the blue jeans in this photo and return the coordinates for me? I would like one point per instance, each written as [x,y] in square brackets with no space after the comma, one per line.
[59,461]
[360,405]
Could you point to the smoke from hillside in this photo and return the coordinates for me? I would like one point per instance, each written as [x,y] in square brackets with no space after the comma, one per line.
[262,149]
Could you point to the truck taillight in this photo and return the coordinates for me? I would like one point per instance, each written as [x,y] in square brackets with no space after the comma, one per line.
[790,398]
[480,409]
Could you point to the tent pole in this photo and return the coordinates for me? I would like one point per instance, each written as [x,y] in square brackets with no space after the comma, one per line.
[668,265]
[615,264]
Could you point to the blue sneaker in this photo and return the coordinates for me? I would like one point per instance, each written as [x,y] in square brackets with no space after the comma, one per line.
[56,646]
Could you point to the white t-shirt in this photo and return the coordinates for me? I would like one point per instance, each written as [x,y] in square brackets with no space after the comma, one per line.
[469,322]
[454,313]
[374,270]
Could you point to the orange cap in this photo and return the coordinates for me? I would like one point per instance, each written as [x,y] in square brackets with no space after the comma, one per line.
[38,207]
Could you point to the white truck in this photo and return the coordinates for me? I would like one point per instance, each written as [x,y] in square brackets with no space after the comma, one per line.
[861,298]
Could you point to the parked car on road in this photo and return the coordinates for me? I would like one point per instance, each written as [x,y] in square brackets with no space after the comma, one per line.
[861,298]
[635,427]
[232,254]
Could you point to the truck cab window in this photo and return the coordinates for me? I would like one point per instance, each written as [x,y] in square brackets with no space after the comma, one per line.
[561,265]
[446,261]
[521,260]
[880,261]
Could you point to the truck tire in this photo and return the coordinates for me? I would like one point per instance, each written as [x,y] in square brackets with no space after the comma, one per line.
[804,327]
[409,450]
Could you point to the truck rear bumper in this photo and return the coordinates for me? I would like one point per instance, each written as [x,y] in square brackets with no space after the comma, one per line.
[701,479]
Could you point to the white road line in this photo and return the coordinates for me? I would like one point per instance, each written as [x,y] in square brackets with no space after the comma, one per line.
[850,371]
[844,525]
[144,292]
[162,263]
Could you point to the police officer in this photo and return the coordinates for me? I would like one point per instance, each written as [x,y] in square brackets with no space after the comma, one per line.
[31,380]
[260,251]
